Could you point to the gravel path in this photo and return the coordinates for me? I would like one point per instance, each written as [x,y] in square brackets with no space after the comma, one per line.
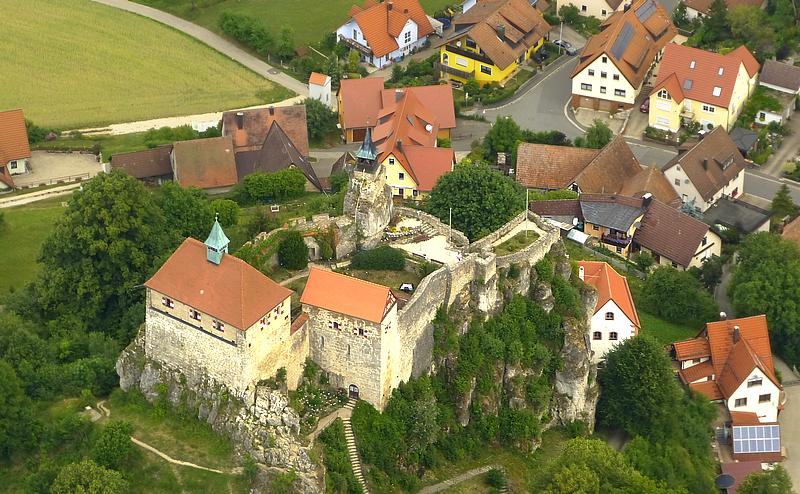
[214,41]
[457,479]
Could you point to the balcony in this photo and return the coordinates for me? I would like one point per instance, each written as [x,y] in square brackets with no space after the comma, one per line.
[356,45]
[452,71]
[469,54]
[616,240]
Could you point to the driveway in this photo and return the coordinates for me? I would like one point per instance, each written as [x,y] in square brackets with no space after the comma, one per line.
[787,152]
[790,421]
[214,41]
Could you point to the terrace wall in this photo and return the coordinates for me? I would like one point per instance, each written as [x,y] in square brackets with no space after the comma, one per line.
[456,237]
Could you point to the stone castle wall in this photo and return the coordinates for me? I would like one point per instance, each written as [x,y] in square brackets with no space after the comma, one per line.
[456,237]
[486,242]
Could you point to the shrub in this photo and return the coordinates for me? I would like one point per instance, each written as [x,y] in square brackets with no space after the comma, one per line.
[320,120]
[384,257]
[339,181]
[427,268]
[227,210]
[247,31]
[292,252]
[496,478]
[280,185]
[113,446]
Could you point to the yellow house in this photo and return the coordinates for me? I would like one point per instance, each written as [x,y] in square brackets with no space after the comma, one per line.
[404,142]
[701,86]
[491,40]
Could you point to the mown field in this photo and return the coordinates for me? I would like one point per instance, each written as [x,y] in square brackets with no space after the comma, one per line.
[309,19]
[75,63]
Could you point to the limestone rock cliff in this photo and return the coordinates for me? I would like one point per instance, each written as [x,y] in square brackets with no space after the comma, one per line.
[369,203]
[261,424]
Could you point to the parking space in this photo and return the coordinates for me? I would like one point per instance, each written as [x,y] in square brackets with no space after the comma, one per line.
[50,168]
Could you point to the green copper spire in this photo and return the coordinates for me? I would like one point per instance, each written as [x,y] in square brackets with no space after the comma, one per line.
[367,150]
[216,243]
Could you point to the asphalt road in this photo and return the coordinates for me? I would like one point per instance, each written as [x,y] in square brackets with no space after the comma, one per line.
[765,186]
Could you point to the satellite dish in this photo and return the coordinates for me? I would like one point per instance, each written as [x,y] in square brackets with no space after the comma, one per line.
[429,127]
[724,481]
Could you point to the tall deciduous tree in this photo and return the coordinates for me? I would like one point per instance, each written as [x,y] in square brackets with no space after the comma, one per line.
[113,446]
[15,413]
[677,296]
[598,135]
[775,481]
[320,119]
[102,250]
[750,24]
[503,137]
[639,387]
[87,477]
[765,282]
[186,211]
[482,199]
[716,23]
[292,252]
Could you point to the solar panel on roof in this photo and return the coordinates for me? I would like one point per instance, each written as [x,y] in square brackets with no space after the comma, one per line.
[687,84]
[757,439]
[646,10]
[624,38]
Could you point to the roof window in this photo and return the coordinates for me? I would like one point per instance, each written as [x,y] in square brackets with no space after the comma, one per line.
[691,64]
[721,71]
[717,91]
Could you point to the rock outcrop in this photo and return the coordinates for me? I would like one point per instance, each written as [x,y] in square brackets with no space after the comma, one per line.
[369,203]
[261,423]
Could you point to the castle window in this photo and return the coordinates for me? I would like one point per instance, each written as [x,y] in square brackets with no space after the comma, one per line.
[263,321]
[168,302]
[591,71]
[322,342]
[619,92]
[361,332]
[218,325]
[348,351]
[194,314]
[335,325]
[597,336]
[605,59]
[604,74]
[613,336]
[609,316]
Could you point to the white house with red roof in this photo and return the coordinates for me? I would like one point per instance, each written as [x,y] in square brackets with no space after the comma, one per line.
[701,86]
[212,313]
[14,149]
[730,361]
[386,32]
[615,319]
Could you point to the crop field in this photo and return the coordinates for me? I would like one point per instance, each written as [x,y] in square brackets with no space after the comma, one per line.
[75,63]
[308,19]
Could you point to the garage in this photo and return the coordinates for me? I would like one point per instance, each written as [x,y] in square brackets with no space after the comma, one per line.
[604,105]
[359,134]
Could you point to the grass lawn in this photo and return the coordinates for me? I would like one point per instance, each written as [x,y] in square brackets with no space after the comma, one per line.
[26,227]
[663,331]
[385,277]
[309,19]
[515,243]
[109,144]
[76,63]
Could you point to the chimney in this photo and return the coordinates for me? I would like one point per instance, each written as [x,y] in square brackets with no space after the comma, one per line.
[501,31]
[647,198]
[581,272]
[705,163]
[271,110]
[737,334]
[399,144]
[240,120]
[723,316]
[389,5]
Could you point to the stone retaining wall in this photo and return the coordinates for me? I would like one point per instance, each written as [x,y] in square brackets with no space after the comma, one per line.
[456,237]
[486,242]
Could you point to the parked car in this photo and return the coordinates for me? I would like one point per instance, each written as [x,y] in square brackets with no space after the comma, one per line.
[645,106]
[407,287]
[566,46]
[445,22]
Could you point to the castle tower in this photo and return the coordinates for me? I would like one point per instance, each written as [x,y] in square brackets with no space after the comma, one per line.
[367,154]
[216,243]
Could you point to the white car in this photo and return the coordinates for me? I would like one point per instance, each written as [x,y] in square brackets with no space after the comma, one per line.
[566,46]
[407,287]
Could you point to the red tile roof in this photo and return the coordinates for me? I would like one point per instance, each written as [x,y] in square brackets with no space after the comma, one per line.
[205,163]
[698,82]
[144,164]
[744,418]
[670,233]
[360,101]
[692,349]
[558,207]
[257,123]
[739,471]
[792,231]
[610,285]
[382,23]
[347,295]
[232,291]
[298,323]
[428,164]
[318,79]
[652,180]
[708,388]
[544,166]
[13,136]
[752,329]
[436,98]
[697,372]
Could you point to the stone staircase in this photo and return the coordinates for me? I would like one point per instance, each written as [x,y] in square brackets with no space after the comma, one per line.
[352,452]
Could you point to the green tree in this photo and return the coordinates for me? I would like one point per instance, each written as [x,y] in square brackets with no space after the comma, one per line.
[292,252]
[750,24]
[569,14]
[482,199]
[87,477]
[279,185]
[716,23]
[688,303]
[598,135]
[227,211]
[471,87]
[16,418]
[186,211]
[339,181]
[782,205]
[262,220]
[639,387]
[765,282]
[644,261]
[679,17]
[286,44]
[320,119]
[113,446]
[775,481]
[503,137]
[353,61]
[101,250]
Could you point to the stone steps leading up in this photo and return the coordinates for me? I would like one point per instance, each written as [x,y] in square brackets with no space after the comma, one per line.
[352,451]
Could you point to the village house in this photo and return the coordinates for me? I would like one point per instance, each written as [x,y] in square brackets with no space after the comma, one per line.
[701,8]
[211,312]
[730,361]
[353,334]
[615,63]
[319,88]
[628,225]
[153,165]
[615,319]
[491,40]
[781,81]
[611,170]
[695,85]
[361,100]
[600,9]
[713,168]
[204,163]
[386,32]
[14,148]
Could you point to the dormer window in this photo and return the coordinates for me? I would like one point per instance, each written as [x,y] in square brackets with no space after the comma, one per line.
[691,64]
[717,91]
[167,302]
